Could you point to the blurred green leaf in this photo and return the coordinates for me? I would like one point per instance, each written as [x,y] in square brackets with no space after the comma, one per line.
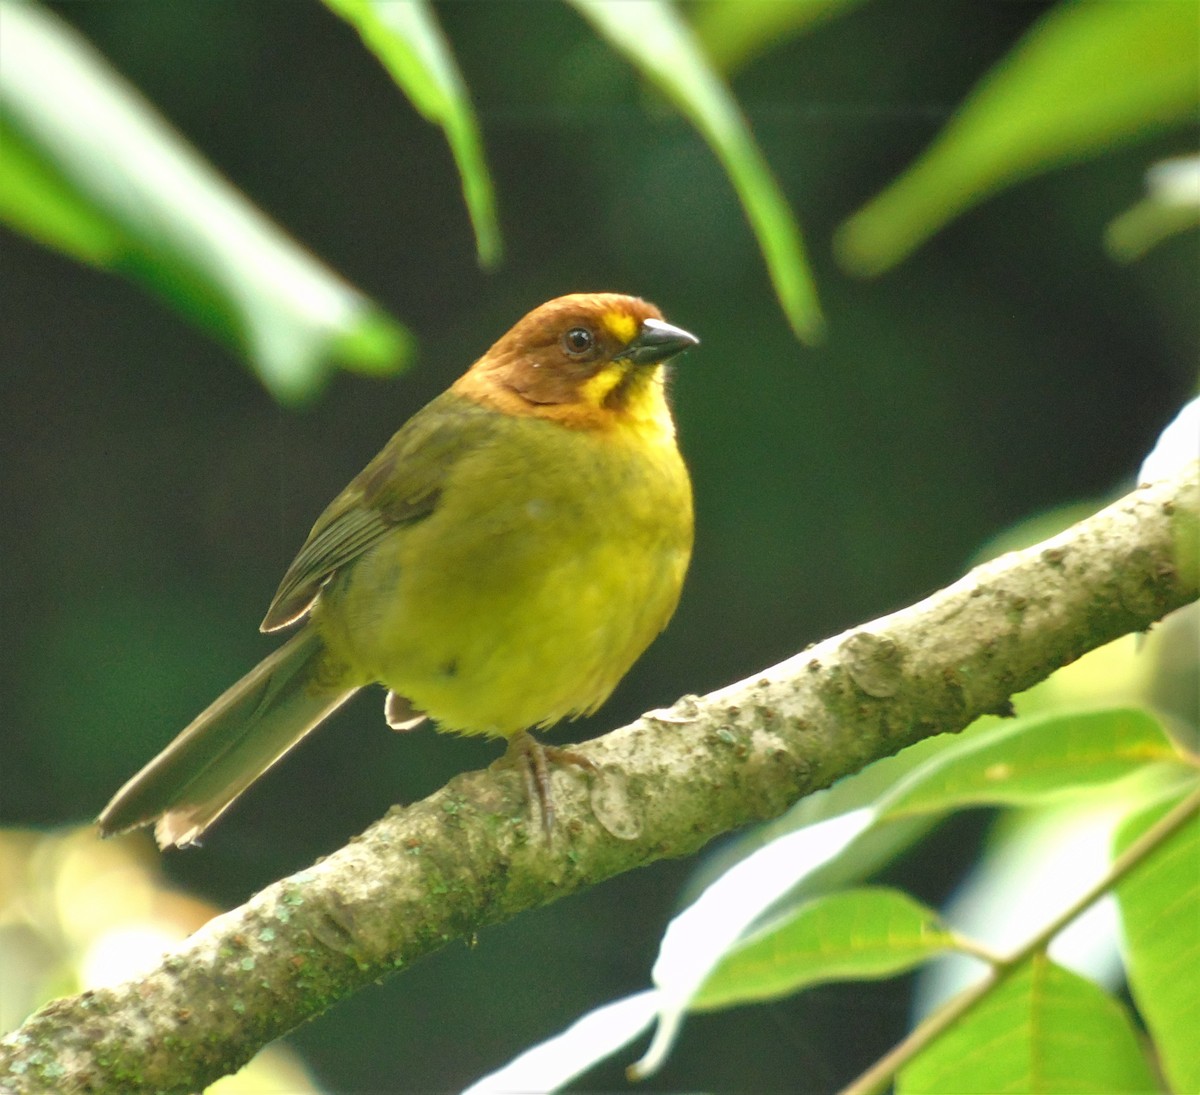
[1088,76]
[1033,760]
[1160,914]
[40,203]
[855,935]
[1145,225]
[91,169]
[1172,205]
[408,41]
[734,32]
[663,48]
[1045,1029]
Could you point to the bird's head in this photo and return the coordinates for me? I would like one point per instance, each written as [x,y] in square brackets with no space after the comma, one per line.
[588,360]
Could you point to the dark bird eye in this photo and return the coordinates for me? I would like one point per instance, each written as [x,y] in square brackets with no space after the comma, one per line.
[578,340]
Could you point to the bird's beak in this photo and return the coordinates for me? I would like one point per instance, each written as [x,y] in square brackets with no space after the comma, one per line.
[656,342]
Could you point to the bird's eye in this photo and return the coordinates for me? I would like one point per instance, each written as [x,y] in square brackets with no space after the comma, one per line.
[578,340]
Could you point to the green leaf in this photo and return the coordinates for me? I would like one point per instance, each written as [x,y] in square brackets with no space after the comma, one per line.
[408,41]
[91,169]
[855,935]
[1160,915]
[663,48]
[1045,1029]
[734,32]
[1087,77]
[1034,760]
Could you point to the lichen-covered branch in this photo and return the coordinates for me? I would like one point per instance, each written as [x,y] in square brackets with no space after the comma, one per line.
[470,855]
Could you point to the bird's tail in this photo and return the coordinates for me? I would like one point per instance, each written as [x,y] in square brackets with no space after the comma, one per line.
[229,745]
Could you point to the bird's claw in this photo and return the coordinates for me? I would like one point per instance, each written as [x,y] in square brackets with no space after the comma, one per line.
[535,760]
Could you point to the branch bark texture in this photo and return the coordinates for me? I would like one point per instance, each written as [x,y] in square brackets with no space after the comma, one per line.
[470,855]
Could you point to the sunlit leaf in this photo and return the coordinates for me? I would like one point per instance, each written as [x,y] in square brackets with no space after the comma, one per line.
[1046,1030]
[1175,448]
[1033,760]
[408,41]
[552,1064]
[665,51]
[859,934]
[91,169]
[1088,76]
[1160,915]
[699,937]
[735,31]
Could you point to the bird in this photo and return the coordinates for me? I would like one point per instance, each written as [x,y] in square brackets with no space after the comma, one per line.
[498,566]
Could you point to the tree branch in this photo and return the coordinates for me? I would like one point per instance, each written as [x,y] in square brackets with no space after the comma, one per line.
[470,855]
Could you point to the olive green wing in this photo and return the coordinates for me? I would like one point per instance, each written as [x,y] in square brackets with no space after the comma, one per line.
[400,486]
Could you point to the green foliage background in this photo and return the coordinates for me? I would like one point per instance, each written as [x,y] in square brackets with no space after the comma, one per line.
[154,491]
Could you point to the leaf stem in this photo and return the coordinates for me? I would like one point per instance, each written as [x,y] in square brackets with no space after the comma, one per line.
[972,948]
[876,1078]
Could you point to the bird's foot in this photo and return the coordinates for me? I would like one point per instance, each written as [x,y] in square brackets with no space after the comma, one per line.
[535,759]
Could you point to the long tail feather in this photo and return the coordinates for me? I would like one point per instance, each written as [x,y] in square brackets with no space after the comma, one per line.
[228,746]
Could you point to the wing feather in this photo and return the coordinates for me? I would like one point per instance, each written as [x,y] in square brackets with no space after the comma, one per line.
[401,485]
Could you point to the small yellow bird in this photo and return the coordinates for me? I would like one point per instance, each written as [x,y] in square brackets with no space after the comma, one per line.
[498,566]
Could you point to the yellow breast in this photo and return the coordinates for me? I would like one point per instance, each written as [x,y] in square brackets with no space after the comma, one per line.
[553,557]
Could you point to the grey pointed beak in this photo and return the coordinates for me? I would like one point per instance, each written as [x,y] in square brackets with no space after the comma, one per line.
[657,342]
